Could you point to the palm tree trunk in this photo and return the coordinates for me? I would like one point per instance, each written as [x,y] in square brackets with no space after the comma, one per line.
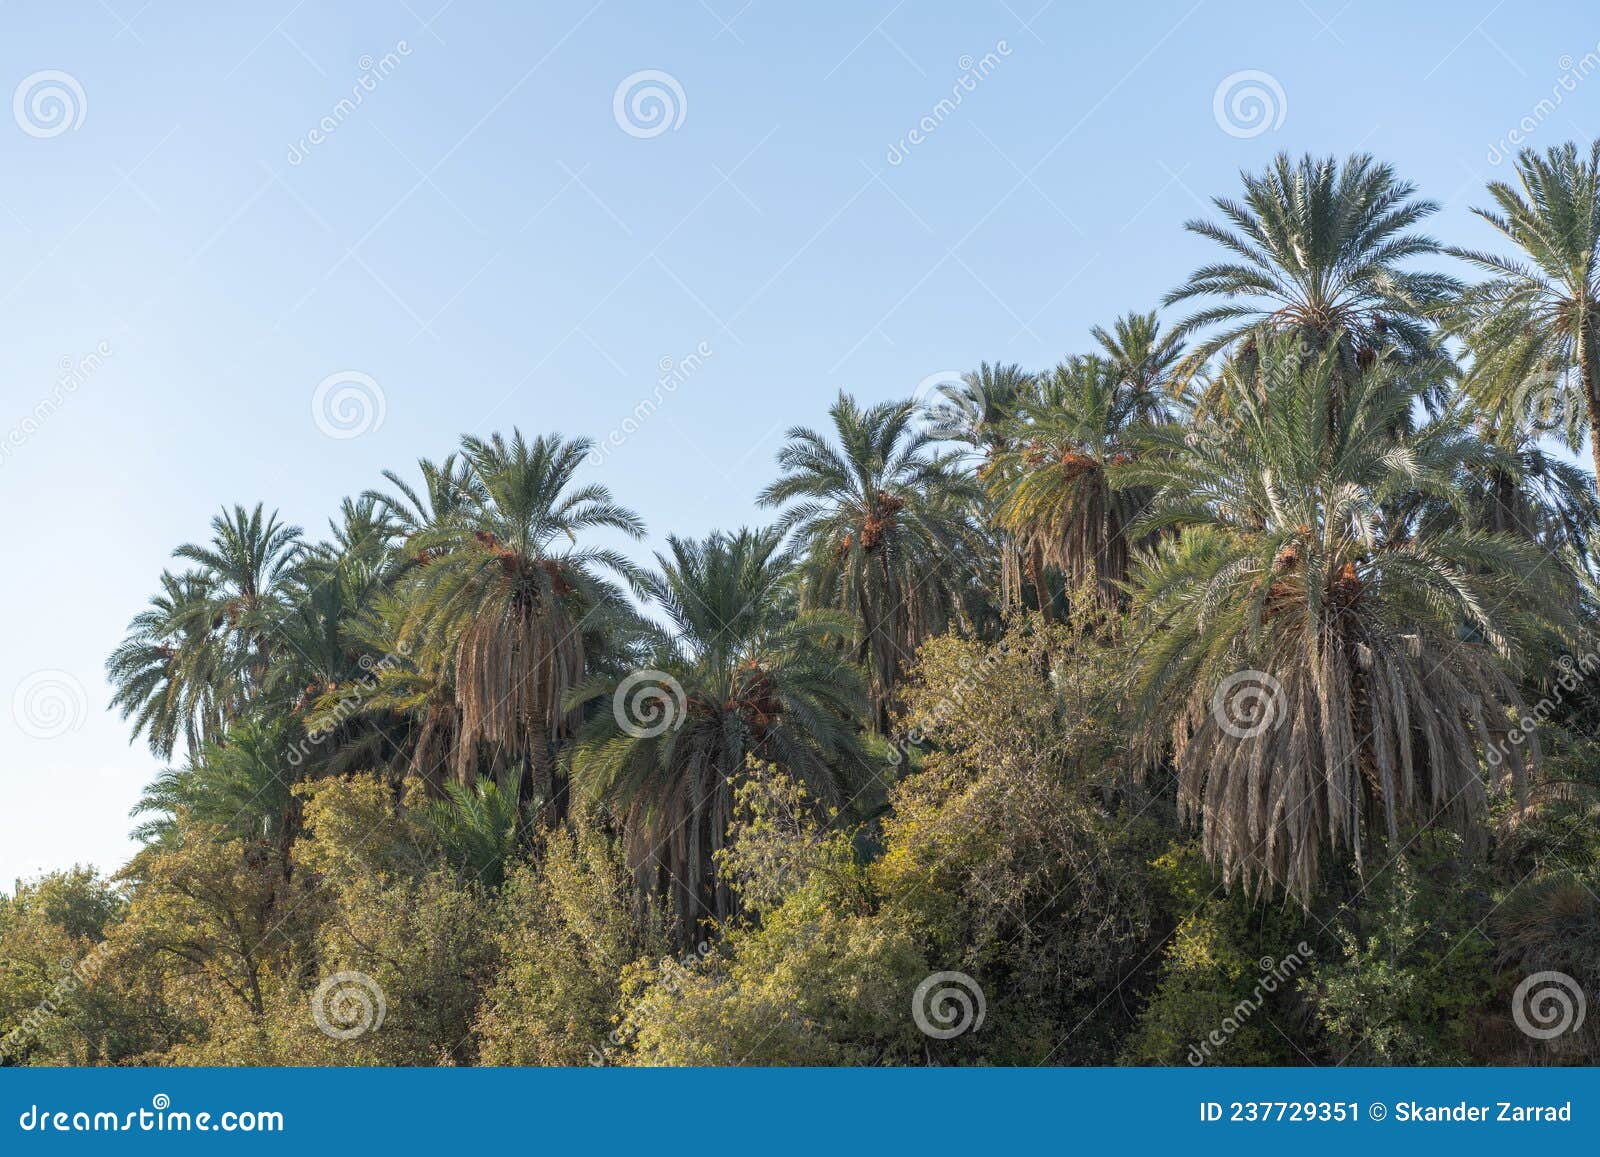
[1592,398]
[1036,577]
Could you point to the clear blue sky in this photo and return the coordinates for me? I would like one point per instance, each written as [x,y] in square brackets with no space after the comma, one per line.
[484,240]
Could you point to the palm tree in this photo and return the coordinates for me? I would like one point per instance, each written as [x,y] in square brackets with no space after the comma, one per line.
[169,672]
[974,413]
[241,786]
[1142,358]
[739,674]
[478,827]
[1534,326]
[202,651]
[250,559]
[447,487]
[511,605]
[1320,667]
[1050,485]
[888,532]
[977,414]
[1317,248]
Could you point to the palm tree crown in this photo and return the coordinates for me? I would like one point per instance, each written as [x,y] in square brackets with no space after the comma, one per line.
[1315,660]
[1317,247]
[888,530]
[1534,326]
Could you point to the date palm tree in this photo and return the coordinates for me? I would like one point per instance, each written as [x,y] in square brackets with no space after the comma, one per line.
[511,605]
[241,786]
[1142,357]
[1050,484]
[250,560]
[974,412]
[1534,325]
[1321,669]
[170,675]
[203,650]
[1318,247]
[888,532]
[738,674]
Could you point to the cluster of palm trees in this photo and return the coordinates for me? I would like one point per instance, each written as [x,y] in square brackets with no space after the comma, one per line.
[1347,488]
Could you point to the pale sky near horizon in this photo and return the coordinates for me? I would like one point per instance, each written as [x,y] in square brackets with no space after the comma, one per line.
[495,235]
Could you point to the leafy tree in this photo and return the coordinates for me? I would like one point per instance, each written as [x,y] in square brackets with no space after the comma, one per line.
[568,931]
[1143,359]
